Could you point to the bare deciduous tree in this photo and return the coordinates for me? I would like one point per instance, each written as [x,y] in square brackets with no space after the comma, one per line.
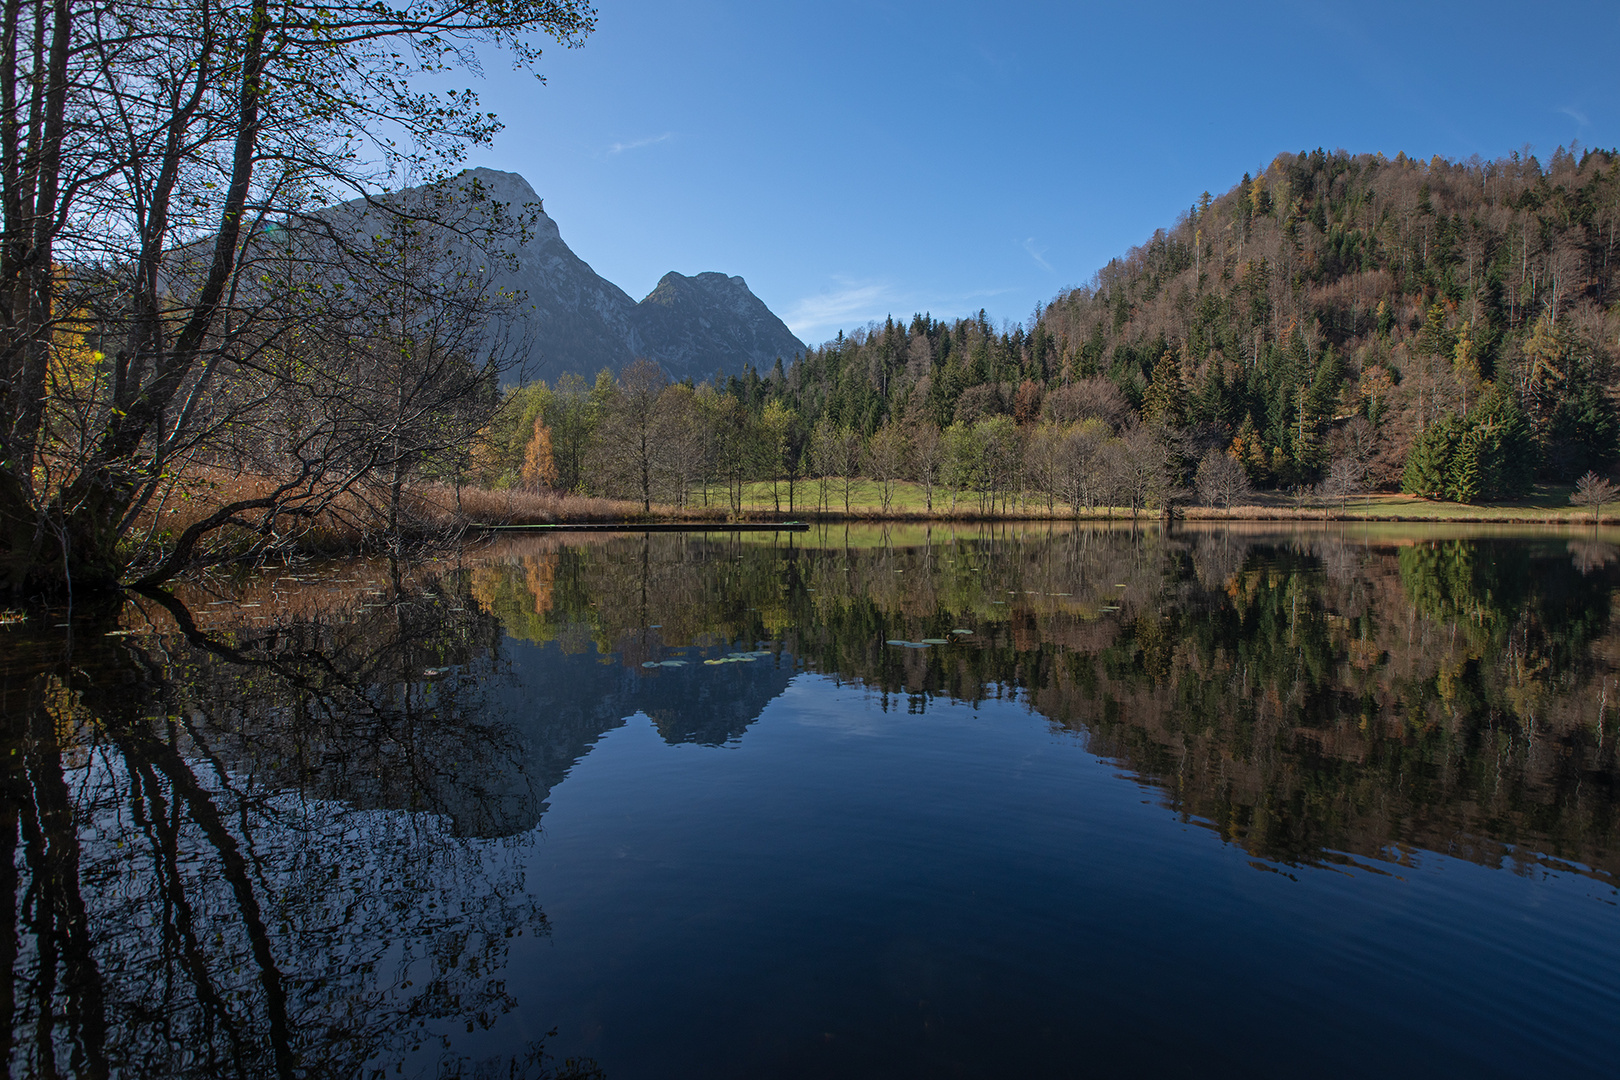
[155,155]
[1345,478]
[1140,470]
[681,443]
[927,459]
[1084,482]
[628,440]
[1596,492]
[1093,398]
[1220,480]
[846,459]
[1043,463]
[824,459]
[886,454]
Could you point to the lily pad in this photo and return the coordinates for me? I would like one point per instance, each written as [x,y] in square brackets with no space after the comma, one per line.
[935,641]
[672,663]
[961,631]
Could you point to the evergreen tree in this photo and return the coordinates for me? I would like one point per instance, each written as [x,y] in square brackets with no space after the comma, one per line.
[1165,403]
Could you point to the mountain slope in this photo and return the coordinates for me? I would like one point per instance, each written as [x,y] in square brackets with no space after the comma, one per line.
[577,321]
[698,325]
[1333,307]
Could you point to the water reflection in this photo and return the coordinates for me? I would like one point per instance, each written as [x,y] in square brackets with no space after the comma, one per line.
[1316,697]
[281,825]
[279,835]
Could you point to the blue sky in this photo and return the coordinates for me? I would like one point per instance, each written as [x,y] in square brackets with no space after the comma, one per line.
[853,160]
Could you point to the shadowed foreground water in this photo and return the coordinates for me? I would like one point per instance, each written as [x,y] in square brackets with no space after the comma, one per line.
[853,803]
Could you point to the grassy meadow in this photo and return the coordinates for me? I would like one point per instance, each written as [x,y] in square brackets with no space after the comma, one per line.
[1547,504]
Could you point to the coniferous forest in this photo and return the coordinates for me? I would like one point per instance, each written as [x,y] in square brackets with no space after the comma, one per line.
[1336,322]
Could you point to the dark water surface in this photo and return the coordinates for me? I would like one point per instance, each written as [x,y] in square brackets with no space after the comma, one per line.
[1237,802]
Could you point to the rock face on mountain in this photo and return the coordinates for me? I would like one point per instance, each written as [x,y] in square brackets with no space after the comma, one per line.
[576,320]
[697,325]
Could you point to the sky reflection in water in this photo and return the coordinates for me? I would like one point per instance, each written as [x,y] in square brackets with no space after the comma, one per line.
[1221,802]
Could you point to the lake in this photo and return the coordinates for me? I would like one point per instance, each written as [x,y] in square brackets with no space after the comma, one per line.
[866,802]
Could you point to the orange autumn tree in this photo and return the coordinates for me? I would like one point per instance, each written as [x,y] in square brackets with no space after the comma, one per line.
[539,467]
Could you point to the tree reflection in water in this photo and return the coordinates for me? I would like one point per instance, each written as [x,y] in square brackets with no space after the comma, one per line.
[280,829]
[285,844]
[1316,696]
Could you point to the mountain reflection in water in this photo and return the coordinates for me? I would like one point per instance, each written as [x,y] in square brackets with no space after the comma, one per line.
[281,826]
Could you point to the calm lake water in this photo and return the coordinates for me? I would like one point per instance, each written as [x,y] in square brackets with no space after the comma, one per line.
[1009,802]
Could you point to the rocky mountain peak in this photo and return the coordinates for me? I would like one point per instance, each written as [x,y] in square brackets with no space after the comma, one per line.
[580,322]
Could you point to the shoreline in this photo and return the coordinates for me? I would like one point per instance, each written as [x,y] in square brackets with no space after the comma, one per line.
[766,519]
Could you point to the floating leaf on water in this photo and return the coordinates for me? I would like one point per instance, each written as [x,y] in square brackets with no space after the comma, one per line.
[436,672]
[896,641]
[713,662]
[961,631]
[935,641]
[649,663]
[1112,608]
[673,663]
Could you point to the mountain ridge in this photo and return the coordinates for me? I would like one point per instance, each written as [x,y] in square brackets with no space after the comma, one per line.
[575,320]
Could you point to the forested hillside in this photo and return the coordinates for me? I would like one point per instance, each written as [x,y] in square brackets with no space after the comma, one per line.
[1336,321]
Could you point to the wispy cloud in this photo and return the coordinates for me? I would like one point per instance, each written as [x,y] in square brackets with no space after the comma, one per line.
[851,303]
[637,144]
[1575,115]
[1029,248]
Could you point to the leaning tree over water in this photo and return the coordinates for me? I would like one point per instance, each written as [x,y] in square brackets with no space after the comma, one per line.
[163,254]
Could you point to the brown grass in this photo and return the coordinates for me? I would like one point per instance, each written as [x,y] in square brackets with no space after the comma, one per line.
[480,506]
[351,521]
